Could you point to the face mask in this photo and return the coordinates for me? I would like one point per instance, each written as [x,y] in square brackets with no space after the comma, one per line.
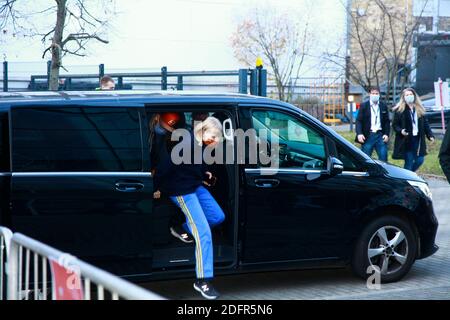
[160,130]
[374,98]
[410,99]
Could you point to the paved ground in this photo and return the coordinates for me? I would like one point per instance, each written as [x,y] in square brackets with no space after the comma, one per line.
[428,279]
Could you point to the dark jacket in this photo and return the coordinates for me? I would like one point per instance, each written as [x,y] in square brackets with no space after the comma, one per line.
[159,156]
[403,121]
[180,179]
[364,120]
[444,154]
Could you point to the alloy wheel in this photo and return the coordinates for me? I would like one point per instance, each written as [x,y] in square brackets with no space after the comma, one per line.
[388,250]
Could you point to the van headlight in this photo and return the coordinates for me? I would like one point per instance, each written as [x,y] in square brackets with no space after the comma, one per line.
[423,187]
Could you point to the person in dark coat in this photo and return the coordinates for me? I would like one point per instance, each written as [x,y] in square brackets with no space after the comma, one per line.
[161,128]
[183,179]
[444,154]
[412,129]
[373,126]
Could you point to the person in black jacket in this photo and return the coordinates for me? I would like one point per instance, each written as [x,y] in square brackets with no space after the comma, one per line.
[444,154]
[411,128]
[373,126]
[161,128]
[183,178]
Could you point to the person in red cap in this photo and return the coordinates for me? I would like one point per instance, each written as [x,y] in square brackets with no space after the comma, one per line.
[161,127]
[169,120]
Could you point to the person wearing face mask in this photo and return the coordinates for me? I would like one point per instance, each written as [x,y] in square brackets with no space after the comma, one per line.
[160,131]
[373,126]
[161,127]
[412,129]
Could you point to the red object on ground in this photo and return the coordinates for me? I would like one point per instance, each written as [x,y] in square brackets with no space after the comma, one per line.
[66,283]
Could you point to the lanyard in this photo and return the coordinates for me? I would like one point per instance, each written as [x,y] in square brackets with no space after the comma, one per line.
[377,112]
[413,115]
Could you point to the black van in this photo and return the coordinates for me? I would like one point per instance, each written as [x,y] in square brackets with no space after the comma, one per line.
[75,174]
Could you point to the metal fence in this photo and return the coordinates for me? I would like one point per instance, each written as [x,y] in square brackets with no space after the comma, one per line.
[323,97]
[29,273]
[5,240]
[253,81]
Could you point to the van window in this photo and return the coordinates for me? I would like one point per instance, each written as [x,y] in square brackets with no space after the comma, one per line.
[76,139]
[299,145]
[4,142]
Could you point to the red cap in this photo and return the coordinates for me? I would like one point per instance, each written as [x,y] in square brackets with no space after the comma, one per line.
[170,118]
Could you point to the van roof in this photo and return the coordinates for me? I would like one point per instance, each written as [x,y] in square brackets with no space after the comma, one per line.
[76,96]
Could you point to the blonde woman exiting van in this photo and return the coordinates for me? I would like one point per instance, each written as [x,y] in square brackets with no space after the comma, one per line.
[411,129]
[183,183]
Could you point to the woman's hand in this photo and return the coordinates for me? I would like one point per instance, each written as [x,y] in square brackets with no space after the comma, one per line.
[211,180]
[404,133]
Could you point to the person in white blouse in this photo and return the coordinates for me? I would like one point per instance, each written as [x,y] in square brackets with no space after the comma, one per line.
[412,129]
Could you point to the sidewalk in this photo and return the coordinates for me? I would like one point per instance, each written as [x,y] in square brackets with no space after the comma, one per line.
[441,191]
[428,278]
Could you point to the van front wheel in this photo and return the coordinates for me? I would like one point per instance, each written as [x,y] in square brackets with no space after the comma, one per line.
[388,246]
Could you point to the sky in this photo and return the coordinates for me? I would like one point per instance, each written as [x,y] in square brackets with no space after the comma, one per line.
[184,34]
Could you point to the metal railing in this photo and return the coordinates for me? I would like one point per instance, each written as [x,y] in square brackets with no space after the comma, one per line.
[96,284]
[322,97]
[5,240]
[253,81]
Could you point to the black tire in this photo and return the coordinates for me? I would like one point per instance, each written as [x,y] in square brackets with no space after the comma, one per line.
[390,224]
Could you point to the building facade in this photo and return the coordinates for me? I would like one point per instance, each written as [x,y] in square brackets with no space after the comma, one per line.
[431,45]
[394,43]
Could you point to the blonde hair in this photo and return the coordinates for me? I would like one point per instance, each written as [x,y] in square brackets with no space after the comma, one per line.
[210,125]
[401,106]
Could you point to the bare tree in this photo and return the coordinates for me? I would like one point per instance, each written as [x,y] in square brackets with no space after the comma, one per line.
[278,39]
[77,22]
[380,41]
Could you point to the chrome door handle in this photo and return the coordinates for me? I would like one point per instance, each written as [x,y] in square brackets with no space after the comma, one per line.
[129,186]
[267,183]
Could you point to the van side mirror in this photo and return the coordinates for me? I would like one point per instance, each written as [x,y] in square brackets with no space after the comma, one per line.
[374,169]
[334,166]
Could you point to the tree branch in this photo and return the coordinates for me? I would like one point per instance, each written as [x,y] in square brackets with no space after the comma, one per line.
[82,36]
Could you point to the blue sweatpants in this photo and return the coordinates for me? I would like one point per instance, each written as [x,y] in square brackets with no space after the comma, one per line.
[202,212]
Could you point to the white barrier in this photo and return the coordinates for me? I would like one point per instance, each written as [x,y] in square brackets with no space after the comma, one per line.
[25,251]
[5,239]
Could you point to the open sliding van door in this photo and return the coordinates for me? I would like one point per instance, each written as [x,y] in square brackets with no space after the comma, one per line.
[170,253]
